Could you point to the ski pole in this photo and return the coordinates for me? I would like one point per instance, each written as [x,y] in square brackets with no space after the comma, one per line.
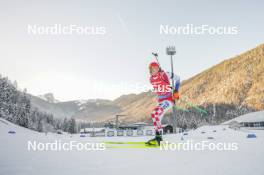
[156,56]
[180,108]
[195,106]
[171,51]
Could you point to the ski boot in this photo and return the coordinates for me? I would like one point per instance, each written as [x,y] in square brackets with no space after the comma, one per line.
[156,140]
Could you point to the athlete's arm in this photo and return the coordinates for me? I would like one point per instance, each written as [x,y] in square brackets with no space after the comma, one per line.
[176,78]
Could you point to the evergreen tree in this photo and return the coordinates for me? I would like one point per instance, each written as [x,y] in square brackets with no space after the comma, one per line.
[40,126]
[72,126]
[65,125]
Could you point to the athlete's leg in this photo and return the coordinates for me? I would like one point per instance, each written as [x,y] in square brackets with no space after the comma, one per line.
[158,113]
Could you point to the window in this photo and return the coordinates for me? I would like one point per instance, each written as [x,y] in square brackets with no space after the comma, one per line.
[256,124]
[251,124]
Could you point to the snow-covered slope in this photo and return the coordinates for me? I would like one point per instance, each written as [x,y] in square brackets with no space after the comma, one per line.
[15,159]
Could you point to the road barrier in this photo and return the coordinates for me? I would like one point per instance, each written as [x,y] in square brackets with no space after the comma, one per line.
[129,133]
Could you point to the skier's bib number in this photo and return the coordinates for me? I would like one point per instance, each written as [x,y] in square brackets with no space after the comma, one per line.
[165,104]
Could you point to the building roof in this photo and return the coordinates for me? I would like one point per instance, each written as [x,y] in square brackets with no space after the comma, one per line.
[250,117]
[92,129]
[140,124]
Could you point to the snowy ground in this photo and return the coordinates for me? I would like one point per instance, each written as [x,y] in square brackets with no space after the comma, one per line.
[16,159]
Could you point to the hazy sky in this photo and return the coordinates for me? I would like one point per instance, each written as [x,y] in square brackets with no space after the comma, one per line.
[73,66]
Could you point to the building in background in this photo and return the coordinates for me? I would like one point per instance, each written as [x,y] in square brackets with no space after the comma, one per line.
[253,120]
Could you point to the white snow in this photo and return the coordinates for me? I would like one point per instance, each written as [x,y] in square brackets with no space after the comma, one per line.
[15,159]
[92,129]
[81,102]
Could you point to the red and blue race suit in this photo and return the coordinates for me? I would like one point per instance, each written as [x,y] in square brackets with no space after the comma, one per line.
[162,87]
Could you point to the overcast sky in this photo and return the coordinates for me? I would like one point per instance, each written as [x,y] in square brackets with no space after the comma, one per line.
[107,66]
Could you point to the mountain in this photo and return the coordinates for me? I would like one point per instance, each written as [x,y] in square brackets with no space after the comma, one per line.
[238,81]
[234,83]
[96,109]
[49,97]
[93,109]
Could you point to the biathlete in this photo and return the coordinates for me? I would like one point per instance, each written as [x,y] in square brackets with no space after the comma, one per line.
[160,81]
